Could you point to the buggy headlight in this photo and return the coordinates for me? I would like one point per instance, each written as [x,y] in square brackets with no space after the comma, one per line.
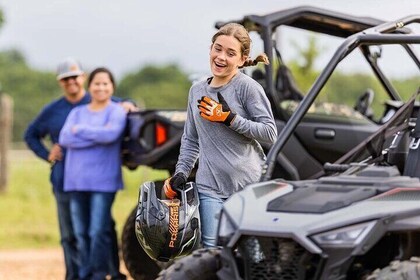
[344,237]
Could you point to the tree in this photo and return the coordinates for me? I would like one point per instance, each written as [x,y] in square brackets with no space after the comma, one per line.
[1,18]
[30,89]
[308,54]
[157,87]
[341,88]
[303,67]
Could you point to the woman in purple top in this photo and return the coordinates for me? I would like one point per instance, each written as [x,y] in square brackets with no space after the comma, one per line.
[92,135]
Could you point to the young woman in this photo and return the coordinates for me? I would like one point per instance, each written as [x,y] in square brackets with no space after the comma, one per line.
[228,117]
[92,136]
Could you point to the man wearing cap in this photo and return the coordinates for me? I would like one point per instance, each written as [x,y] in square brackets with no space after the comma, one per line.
[49,122]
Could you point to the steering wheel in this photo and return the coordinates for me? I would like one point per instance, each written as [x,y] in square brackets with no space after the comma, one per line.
[364,102]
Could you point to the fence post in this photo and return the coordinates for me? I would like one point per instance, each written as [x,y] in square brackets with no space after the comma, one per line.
[6,120]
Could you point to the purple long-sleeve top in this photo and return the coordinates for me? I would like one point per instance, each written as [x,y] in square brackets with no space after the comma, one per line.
[93,142]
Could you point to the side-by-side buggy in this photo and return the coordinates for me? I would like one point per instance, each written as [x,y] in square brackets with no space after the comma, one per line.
[356,218]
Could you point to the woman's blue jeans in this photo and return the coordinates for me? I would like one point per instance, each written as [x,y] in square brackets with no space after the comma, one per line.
[91,216]
[210,208]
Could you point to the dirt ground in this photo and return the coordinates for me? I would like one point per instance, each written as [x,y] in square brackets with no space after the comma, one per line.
[46,264]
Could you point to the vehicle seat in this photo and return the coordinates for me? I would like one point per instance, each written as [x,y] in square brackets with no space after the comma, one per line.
[412,164]
[259,76]
[285,84]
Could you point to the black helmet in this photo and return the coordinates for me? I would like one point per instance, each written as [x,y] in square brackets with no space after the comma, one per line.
[167,229]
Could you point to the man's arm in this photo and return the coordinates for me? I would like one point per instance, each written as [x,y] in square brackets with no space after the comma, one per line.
[34,134]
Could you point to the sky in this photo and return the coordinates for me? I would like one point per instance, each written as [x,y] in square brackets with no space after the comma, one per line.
[129,34]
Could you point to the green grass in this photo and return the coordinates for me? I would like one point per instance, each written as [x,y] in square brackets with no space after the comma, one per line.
[28,216]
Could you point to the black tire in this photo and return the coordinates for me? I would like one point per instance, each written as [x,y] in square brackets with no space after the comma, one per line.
[138,263]
[202,264]
[398,270]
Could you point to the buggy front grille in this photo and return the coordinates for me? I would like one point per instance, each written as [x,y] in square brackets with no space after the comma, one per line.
[266,258]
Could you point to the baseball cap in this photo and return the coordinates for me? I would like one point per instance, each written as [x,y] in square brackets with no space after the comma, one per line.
[68,68]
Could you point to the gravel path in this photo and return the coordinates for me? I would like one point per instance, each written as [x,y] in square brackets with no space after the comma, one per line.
[45,264]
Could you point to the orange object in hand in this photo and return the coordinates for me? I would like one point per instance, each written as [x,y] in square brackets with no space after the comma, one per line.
[214,111]
[174,184]
[169,192]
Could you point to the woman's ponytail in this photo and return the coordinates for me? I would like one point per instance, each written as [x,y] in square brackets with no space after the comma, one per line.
[252,62]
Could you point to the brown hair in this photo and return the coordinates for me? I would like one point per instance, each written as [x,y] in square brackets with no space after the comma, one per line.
[101,70]
[241,34]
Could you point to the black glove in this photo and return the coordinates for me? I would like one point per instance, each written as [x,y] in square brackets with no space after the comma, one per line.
[174,185]
[177,182]
[216,111]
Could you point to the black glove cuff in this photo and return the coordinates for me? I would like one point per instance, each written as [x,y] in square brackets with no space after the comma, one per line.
[181,175]
[229,119]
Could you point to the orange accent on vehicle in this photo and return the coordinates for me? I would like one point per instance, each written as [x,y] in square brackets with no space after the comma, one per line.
[161,134]
[396,190]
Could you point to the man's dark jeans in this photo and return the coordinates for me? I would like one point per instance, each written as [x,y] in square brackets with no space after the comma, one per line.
[67,237]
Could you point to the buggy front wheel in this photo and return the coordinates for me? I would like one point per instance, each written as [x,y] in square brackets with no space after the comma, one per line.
[202,264]
[138,263]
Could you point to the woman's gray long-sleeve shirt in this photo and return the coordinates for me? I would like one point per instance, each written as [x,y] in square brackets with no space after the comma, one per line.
[229,157]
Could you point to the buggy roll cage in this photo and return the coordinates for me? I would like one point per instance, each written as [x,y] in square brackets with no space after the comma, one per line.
[321,21]
[385,34]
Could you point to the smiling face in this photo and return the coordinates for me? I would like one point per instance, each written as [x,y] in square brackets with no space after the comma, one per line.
[101,87]
[225,58]
[73,86]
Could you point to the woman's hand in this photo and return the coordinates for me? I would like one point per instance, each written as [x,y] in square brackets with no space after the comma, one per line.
[216,111]
[174,184]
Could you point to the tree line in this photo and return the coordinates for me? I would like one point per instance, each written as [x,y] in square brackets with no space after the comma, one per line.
[159,86]
[31,89]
